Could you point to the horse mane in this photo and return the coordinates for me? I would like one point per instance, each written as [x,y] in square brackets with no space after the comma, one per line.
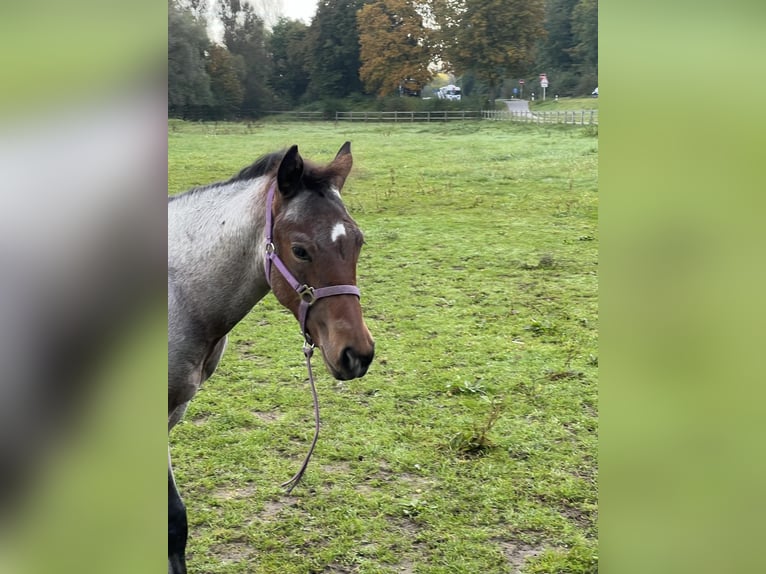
[262,166]
[315,177]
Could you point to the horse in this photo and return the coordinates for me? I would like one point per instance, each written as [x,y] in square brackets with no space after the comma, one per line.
[279,224]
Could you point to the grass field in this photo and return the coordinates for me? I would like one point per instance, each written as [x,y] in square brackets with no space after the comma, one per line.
[551,105]
[471,445]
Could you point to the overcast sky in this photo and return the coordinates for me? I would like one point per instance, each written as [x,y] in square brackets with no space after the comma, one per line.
[299,9]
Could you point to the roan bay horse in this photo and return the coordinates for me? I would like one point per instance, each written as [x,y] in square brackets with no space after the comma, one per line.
[279,224]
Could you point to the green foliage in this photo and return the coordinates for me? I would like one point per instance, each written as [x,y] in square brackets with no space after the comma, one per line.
[450,214]
[333,50]
[585,34]
[226,72]
[245,36]
[188,80]
[569,52]
[289,52]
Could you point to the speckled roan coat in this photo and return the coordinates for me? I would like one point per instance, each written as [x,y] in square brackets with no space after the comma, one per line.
[216,250]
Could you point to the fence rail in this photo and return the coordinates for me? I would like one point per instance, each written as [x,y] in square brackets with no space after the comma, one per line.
[576,117]
[298,115]
[429,116]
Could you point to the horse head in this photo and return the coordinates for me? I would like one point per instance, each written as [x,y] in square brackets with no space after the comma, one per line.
[317,244]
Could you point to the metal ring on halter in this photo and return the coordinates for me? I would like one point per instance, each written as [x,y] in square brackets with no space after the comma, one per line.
[307,295]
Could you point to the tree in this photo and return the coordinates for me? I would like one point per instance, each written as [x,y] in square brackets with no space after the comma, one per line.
[289,52]
[188,81]
[585,33]
[555,51]
[244,35]
[394,46]
[333,41]
[493,38]
[225,72]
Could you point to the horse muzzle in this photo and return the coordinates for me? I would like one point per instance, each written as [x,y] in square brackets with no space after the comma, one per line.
[352,362]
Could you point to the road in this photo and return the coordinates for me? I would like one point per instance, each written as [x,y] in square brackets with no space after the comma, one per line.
[520,107]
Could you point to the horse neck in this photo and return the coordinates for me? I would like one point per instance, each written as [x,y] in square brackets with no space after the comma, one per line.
[216,250]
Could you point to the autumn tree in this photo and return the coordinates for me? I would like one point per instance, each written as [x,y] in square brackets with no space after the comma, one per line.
[394,46]
[494,39]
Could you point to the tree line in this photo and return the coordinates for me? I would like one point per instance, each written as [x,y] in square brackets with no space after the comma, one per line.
[357,48]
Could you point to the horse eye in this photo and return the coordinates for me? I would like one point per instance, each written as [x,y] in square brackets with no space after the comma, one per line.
[301,253]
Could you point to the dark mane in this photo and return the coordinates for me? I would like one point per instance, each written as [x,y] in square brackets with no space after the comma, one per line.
[263,165]
[315,177]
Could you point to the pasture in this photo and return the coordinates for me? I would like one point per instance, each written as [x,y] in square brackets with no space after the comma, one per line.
[569,104]
[471,445]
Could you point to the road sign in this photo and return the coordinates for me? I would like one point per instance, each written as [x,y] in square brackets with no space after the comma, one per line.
[543,83]
[521,82]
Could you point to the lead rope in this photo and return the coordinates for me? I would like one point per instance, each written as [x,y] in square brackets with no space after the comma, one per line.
[308,296]
[308,350]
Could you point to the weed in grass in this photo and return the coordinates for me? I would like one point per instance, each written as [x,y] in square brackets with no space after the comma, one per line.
[475,441]
[541,328]
[465,388]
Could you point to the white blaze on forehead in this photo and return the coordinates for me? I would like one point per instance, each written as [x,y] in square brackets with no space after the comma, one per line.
[338,230]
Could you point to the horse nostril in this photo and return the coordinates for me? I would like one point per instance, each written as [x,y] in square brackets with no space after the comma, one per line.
[355,363]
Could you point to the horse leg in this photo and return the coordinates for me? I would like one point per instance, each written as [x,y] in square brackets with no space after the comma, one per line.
[177,527]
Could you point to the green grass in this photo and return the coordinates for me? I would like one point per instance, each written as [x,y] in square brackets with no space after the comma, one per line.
[551,105]
[471,445]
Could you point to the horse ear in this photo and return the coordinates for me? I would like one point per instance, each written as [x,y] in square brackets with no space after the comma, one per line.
[290,173]
[342,165]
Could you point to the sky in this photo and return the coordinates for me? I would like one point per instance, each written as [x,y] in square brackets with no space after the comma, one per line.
[299,9]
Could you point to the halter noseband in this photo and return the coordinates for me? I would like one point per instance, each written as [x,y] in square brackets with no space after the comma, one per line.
[307,294]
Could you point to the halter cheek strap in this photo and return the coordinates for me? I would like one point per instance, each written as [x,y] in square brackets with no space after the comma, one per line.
[308,295]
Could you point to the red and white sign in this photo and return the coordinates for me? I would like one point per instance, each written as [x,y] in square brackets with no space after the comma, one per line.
[543,80]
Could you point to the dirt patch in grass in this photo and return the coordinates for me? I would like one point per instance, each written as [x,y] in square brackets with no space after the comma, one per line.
[267,416]
[517,553]
[233,552]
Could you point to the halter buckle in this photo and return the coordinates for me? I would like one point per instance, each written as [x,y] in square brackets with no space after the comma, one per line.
[307,295]
[270,248]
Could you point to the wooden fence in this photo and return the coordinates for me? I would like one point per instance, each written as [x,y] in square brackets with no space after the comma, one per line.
[298,115]
[432,116]
[577,117]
